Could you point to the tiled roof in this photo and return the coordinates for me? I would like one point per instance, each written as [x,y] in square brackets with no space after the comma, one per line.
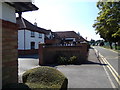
[24,24]
[47,31]
[70,34]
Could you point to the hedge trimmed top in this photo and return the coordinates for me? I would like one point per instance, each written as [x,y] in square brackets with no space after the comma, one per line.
[44,77]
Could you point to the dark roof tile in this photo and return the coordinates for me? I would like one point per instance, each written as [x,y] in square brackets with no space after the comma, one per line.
[70,34]
[24,24]
[67,34]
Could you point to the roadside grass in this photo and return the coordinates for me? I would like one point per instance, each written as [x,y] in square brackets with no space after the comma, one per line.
[108,47]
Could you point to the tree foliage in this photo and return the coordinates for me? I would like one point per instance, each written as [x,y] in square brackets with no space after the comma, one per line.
[107,24]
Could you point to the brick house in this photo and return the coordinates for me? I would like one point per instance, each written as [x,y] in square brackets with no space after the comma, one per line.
[29,36]
[69,38]
[9,52]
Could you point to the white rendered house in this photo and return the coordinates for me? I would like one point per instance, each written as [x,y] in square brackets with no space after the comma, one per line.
[29,35]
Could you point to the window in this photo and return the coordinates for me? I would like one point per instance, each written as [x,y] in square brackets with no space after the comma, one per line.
[32,45]
[32,34]
[40,35]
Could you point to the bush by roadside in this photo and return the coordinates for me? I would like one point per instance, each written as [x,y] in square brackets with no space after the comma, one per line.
[67,60]
[45,77]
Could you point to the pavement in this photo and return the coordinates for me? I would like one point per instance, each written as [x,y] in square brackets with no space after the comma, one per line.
[25,63]
[91,74]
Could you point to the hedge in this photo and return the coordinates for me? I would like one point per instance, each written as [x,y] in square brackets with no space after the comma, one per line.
[45,77]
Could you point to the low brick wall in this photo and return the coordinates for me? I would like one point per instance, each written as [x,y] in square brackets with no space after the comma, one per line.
[9,52]
[27,52]
[49,54]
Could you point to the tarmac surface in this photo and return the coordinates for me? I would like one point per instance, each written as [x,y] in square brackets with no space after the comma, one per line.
[110,55]
[88,75]
[91,74]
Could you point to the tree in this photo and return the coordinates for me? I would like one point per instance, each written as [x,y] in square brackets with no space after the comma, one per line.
[107,24]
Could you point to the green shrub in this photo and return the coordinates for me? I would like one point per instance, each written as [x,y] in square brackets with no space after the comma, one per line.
[72,60]
[45,77]
[67,60]
[62,60]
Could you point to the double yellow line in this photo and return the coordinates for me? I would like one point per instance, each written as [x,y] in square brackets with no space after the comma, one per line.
[112,70]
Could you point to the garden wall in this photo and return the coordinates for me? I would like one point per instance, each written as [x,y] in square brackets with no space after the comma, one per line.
[49,54]
[27,52]
[9,52]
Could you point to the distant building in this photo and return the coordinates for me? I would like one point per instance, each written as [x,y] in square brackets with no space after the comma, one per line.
[29,36]
[70,38]
[48,34]
[51,38]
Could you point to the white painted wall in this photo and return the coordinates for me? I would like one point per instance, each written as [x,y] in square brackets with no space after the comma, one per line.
[7,12]
[29,39]
[20,39]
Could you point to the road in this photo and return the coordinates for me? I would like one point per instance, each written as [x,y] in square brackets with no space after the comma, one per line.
[111,58]
[88,75]
[110,55]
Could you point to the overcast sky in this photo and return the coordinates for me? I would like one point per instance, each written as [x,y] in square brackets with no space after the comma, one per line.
[65,15]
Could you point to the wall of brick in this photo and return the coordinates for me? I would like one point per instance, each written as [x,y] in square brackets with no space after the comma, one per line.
[52,42]
[49,54]
[0,54]
[9,52]
[27,52]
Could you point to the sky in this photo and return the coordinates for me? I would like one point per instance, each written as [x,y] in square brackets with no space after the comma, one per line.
[65,15]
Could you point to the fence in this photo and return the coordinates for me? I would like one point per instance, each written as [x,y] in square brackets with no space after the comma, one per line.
[49,54]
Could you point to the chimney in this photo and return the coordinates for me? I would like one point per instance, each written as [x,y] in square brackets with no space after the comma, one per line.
[35,24]
[20,14]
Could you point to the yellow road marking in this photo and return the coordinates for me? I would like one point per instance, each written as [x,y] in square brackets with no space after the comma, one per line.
[113,86]
[113,73]
[111,66]
[112,70]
